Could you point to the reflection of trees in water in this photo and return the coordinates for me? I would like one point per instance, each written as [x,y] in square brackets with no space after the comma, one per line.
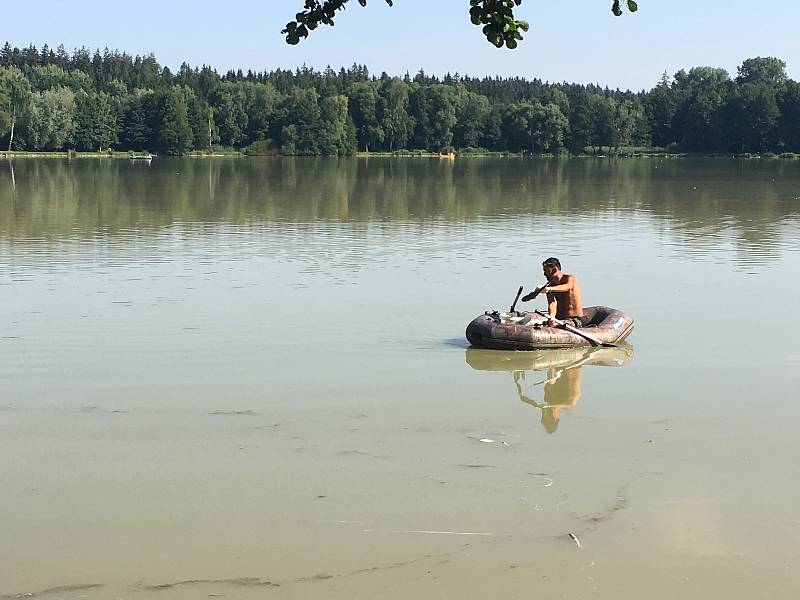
[698,200]
[10,164]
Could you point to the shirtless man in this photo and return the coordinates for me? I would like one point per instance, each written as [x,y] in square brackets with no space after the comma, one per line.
[563,291]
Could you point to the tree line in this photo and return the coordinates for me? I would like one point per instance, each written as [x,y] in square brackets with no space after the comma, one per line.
[54,100]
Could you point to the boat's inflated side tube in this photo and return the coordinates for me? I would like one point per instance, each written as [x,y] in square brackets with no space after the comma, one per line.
[526,331]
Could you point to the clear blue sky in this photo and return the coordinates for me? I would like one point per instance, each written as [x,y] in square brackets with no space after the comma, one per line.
[578,41]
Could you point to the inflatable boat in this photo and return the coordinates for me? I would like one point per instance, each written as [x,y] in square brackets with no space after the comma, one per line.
[527,330]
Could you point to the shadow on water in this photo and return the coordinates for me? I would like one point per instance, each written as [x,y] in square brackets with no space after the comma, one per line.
[559,385]
[459,342]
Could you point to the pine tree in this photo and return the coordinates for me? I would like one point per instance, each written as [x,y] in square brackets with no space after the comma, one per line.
[175,134]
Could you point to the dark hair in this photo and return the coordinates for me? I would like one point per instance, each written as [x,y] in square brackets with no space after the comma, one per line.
[552,262]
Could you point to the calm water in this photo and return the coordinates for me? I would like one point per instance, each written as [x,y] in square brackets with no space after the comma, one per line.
[248,378]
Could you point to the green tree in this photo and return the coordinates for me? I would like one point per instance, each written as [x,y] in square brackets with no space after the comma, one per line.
[552,126]
[364,111]
[701,93]
[595,122]
[630,123]
[395,121]
[751,115]
[261,102]
[5,115]
[95,121]
[604,125]
[290,140]
[107,120]
[444,107]
[230,113]
[334,138]
[45,77]
[535,127]
[136,132]
[200,117]
[493,128]
[768,71]
[84,135]
[174,132]
[660,106]
[116,89]
[553,95]
[17,95]
[470,127]
[496,18]
[301,122]
[49,120]
[78,80]
[788,102]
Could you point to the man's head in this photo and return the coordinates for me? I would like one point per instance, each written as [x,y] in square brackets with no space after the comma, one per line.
[552,269]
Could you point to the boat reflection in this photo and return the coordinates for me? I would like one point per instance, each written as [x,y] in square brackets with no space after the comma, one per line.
[560,387]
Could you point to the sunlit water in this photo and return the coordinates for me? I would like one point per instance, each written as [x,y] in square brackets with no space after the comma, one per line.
[248,378]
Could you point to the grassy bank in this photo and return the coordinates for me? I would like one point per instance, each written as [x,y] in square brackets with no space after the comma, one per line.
[58,154]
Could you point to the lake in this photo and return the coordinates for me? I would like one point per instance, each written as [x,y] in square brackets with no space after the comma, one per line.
[248,378]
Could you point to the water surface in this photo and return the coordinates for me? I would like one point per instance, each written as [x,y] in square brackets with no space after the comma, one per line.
[249,378]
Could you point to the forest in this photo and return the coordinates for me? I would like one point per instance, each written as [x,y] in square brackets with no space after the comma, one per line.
[53,100]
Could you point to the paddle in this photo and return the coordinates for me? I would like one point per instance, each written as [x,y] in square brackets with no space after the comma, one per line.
[535,292]
[519,291]
[592,340]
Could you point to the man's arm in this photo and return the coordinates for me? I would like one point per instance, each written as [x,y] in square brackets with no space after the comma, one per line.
[563,287]
[552,303]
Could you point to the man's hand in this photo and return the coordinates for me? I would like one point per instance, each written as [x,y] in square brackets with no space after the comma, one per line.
[540,290]
[534,293]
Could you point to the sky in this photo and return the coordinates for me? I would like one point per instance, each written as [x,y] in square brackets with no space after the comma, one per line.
[577,41]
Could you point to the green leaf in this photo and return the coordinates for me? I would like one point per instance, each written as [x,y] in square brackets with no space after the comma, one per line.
[632,6]
[511,44]
[616,9]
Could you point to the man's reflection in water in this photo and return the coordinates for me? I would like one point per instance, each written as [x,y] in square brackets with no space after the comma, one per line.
[561,387]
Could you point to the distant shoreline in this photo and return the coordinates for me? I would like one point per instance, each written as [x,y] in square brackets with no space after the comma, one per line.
[648,153]
[113,154]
